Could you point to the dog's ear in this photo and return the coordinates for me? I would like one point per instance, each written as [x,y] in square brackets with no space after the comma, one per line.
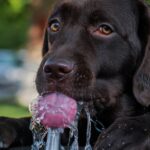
[141,81]
[45,43]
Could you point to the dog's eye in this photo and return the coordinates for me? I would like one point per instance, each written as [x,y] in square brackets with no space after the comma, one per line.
[104,29]
[54,26]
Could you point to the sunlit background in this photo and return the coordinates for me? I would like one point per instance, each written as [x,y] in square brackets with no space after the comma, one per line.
[21,33]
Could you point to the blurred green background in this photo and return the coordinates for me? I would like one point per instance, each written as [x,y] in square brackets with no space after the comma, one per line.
[22,21]
[14,22]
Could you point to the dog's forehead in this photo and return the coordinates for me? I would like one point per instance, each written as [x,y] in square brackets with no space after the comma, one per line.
[94,4]
[82,2]
[123,9]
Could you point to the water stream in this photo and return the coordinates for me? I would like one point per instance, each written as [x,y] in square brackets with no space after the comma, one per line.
[88,130]
[74,128]
[40,133]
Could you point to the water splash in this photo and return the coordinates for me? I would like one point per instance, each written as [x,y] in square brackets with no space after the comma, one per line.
[88,132]
[53,139]
[74,128]
[75,145]
[98,125]
[40,133]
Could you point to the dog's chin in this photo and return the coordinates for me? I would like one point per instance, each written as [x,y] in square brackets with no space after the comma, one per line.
[82,100]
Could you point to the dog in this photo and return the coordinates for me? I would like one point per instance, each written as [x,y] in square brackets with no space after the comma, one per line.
[96,51]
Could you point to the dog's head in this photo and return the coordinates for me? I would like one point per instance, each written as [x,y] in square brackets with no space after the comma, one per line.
[93,49]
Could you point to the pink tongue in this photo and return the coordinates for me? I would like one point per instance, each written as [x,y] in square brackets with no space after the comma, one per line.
[56,110]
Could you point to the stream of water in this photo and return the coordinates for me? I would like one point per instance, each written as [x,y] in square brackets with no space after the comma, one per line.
[40,133]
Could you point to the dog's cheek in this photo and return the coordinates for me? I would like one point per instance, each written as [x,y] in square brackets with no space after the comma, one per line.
[83,78]
[39,81]
[109,92]
[115,94]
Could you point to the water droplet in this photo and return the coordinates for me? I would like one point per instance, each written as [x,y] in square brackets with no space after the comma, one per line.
[125,125]
[103,136]
[145,130]
[131,128]
[119,126]
[123,143]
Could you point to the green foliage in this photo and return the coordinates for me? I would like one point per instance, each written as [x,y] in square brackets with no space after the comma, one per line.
[14,21]
[148,1]
[17,5]
[13,110]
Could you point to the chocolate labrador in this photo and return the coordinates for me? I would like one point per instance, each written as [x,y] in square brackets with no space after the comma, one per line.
[96,51]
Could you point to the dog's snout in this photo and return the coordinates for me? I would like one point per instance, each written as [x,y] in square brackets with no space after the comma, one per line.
[57,69]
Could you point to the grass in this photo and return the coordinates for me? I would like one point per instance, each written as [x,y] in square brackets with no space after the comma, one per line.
[13,110]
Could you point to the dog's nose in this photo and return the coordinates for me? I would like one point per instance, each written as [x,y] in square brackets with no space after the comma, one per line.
[57,69]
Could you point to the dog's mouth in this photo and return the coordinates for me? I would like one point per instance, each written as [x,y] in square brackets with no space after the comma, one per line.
[74,88]
[78,86]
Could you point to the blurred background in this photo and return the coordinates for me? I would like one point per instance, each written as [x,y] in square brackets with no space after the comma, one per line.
[22,25]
